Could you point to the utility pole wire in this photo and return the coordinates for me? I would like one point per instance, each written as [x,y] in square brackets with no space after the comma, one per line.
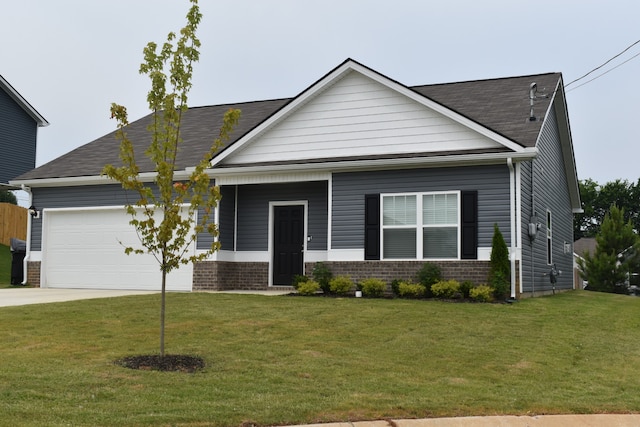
[600,75]
[597,68]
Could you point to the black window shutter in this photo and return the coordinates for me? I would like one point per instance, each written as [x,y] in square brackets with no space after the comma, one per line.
[469,225]
[372,226]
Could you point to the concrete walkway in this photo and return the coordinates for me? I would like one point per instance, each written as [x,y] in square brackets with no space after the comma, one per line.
[609,420]
[26,296]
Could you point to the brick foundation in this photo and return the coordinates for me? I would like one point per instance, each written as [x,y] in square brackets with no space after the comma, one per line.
[33,273]
[224,275]
[475,271]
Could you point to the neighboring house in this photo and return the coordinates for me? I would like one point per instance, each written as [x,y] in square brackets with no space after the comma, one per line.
[580,247]
[19,123]
[359,171]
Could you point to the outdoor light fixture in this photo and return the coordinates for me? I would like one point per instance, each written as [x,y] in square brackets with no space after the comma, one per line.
[33,211]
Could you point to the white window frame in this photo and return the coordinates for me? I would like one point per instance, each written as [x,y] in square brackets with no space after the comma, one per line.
[419,225]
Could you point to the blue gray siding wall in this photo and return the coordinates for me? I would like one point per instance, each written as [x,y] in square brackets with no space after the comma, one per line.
[17,139]
[74,197]
[227,208]
[545,188]
[349,189]
[253,212]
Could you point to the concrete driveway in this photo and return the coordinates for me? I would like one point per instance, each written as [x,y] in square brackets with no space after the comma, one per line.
[25,296]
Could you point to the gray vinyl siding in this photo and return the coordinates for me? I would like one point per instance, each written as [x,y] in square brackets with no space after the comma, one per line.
[349,189]
[74,197]
[83,197]
[227,208]
[253,212]
[18,133]
[545,176]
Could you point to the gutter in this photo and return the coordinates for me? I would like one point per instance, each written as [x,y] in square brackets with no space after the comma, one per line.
[512,212]
[27,255]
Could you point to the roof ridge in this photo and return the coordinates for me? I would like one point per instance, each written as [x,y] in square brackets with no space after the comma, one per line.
[493,79]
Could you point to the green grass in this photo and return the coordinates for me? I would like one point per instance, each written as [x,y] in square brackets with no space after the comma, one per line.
[292,360]
[5,266]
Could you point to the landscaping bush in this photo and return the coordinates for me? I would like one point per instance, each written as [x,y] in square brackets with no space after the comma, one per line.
[499,265]
[297,279]
[395,284]
[373,288]
[446,289]
[322,274]
[500,285]
[411,290]
[465,287]
[308,287]
[340,285]
[428,275]
[481,293]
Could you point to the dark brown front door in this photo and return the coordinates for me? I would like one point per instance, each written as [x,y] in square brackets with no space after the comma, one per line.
[288,239]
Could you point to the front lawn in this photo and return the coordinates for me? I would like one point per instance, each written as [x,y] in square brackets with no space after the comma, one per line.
[292,360]
[5,266]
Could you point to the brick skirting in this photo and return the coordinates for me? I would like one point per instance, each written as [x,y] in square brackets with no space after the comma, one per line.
[475,271]
[225,275]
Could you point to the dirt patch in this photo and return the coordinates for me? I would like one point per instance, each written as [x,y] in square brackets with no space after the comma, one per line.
[168,362]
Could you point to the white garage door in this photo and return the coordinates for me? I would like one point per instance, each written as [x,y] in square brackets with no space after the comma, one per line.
[81,249]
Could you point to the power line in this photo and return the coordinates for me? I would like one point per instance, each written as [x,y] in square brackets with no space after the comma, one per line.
[606,72]
[605,63]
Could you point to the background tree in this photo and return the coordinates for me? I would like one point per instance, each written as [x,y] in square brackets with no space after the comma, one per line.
[499,266]
[597,200]
[7,196]
[615,256]
[164,228]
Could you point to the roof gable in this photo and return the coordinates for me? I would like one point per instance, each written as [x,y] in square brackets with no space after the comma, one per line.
[354,111]
[4,85]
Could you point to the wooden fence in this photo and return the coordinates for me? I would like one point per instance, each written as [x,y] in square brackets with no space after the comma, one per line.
[13,223]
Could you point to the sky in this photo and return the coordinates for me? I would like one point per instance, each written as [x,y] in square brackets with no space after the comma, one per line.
[70,59]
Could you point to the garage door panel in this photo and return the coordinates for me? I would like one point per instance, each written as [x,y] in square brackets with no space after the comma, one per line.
[82,249]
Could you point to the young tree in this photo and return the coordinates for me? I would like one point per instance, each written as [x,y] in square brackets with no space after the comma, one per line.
[500,268]
[164,228]
[616,254]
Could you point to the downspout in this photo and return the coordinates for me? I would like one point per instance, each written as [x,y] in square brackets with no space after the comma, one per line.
[27,255]
[512,213]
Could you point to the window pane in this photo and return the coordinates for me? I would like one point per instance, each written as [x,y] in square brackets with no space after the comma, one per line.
[440,209]
[440,242]
[399,243]
[399,210]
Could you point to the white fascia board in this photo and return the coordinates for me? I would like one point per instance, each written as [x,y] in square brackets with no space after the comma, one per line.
[75,181]
[353,165]
[334,76]
[42,122]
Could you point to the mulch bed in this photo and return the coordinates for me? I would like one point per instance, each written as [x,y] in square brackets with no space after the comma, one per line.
[168,362]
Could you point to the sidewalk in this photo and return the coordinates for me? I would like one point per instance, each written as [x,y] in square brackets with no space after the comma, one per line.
[598,420]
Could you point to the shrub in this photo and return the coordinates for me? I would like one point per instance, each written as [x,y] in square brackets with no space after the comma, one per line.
[465,287]
[428,275]
[411,290]
[322,274]
[395,283]
[308,287]
[499,266]
[340,285]
[481,293]
[446,289]
[500,285]
[373,288]
[297,279]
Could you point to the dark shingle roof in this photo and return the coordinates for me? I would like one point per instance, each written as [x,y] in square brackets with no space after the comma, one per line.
[501,105]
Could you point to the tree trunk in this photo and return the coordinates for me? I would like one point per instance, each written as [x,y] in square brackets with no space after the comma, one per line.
[164,282]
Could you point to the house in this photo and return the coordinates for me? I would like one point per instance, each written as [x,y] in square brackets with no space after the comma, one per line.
[19,123]
[372,177]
